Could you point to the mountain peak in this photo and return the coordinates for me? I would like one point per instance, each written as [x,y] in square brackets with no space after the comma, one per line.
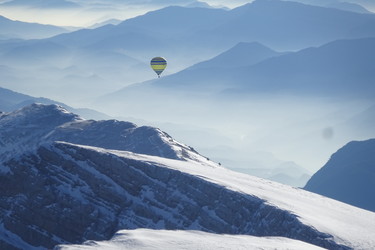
[52,115]
[22,130]
[349,175]
[241,55]
[29,127]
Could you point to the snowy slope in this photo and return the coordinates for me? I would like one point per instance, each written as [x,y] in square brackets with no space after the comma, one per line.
[346,225]
[25,129]
[55,192]
[142,239]
[349,176]
[91,193]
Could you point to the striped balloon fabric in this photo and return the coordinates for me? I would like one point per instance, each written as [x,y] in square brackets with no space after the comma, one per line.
[158,64]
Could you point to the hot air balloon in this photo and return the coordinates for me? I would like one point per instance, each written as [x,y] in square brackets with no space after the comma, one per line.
[158,64]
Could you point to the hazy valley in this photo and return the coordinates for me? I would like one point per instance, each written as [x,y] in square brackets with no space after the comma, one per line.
[280,90]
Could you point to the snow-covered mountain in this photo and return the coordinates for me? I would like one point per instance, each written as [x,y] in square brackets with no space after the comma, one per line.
[349,176]
[29,127]
[146,239]
[54,192]
[96,192]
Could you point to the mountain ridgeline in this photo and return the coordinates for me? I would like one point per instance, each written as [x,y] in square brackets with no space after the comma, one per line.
[349,175]
[10,29]
[339,69]
[31,126]
[119,54]
[64,180]
[268,88]
[11,101]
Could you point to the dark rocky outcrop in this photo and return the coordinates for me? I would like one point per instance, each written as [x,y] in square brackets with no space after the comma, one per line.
[69,193]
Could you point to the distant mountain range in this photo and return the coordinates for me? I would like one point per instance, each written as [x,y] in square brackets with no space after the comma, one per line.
[262,76]
[349,175]
[10,29]
[11,101]
[359,6]
[339,69]
[349,7]
[241,24]
[55,192]
[226,90]
[241,55]
[107,22]
[41,4]
[63,4]
[75,60]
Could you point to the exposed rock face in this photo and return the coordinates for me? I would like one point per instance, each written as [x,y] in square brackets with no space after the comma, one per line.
[69,193]
[21,134]
[349,176]
[54,192]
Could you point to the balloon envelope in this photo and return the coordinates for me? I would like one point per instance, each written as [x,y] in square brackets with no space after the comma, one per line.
[158,64]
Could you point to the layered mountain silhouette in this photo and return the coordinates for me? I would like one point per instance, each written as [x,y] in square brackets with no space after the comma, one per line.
[11,101]
[113,56]
[10,29]
[241,55]
[51,4]
[339,69]
[349,175]
[65,179]
[349,5]
[257,21]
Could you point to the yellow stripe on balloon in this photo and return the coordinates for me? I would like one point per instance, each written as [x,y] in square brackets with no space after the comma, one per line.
[158,64]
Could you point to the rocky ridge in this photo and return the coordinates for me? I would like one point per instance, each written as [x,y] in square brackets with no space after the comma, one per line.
[54,190]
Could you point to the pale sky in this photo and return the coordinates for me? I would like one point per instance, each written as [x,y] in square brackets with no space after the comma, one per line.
[89,15]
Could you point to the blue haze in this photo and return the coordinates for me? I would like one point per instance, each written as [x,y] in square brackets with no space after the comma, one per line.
[292,71]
